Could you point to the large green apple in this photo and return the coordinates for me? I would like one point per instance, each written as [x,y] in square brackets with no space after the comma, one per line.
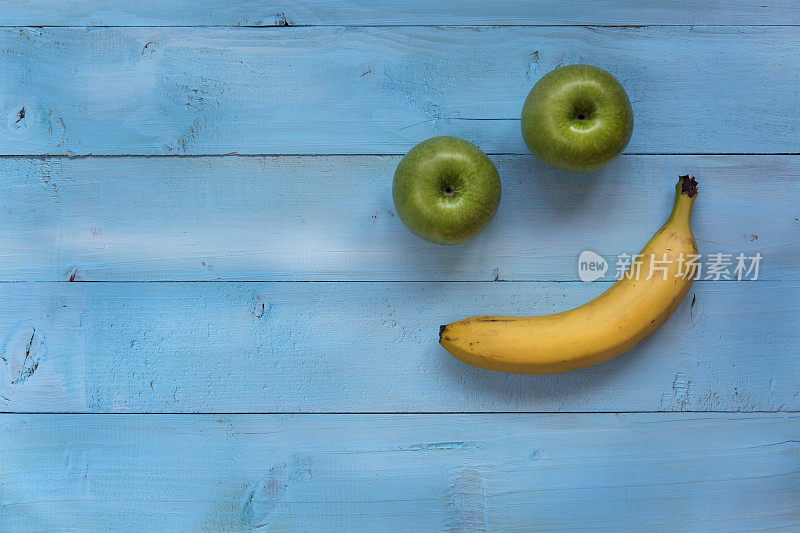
[446,190]
[577,118]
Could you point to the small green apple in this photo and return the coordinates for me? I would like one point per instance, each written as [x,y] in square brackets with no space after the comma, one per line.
[577,118]
[446,190]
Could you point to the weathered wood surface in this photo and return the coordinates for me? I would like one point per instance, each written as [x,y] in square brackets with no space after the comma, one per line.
[400,12]
[342,312]
[417,473]
[373,347]
[329,90]
[332,218]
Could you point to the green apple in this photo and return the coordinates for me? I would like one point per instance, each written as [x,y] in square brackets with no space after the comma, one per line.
[446,190]
[577,118]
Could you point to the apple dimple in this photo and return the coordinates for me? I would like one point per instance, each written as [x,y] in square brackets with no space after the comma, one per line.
[583,111]
[449,184]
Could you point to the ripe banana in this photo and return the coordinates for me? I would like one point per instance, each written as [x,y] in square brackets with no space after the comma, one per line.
[630,310]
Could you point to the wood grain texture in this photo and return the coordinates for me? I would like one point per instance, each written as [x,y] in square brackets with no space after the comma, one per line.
[343,309]
[332,218]
[357,12]
[637,472]
[373,347]
[381,90]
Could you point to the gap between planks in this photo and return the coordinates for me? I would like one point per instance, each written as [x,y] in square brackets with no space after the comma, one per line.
[284,27]
[383,154]
[743,414]
[242,281]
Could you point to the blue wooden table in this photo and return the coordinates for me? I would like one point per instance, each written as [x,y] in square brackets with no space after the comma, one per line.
[213,320]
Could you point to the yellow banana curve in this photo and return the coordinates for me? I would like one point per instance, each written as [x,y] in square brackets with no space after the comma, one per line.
[614,322]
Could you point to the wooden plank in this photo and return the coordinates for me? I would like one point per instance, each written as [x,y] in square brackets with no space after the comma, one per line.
[635,472]
[373,347]
[381,90]
[332,218]
[355,12]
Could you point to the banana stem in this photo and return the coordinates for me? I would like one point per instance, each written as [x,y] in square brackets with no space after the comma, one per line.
[685,195]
